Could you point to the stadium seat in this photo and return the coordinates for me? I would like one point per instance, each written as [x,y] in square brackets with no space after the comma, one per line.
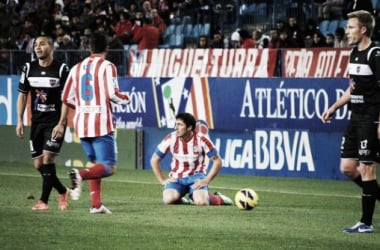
[179,29]
[323,26]
[169,30]
[187,29]
[206,29]
[342,24]
[333,24]
[176,41]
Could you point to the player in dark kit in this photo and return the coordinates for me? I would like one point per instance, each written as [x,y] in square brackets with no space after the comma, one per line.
[44,79]
[360,143]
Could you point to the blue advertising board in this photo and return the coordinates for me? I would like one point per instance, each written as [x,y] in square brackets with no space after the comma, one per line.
[260,126]
[8,99]
[276,103]
[281,153]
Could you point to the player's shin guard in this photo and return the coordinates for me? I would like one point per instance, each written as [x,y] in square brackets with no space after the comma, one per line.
[47,184]
[54,179]
[368,201]
[97,171]
[95,186]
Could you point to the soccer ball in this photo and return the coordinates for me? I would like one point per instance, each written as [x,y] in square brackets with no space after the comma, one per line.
[246,199]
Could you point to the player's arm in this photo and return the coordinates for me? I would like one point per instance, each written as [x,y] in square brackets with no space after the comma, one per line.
[343,100]
[156,167]
[216,166]
[113,86]
[21,105]
[59,129]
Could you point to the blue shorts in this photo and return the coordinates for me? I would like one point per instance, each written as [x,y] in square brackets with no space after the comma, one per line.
[185,185]
[100,149]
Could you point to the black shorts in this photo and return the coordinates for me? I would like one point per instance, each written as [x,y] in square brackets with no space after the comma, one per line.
[360,142]
[40,140]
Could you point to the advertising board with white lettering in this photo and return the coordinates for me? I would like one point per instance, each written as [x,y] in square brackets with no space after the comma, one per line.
[282,153]
[315,62]
[203,62]
[276,103]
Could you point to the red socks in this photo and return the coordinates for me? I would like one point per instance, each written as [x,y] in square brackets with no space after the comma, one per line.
[215,200]
[95,186]
[94,172]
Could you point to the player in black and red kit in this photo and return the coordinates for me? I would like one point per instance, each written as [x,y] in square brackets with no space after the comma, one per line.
[360,143]
[44,79]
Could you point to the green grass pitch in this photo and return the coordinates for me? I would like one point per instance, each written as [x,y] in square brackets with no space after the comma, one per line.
[292,214]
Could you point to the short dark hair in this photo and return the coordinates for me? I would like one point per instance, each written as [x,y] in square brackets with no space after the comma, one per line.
[187,118]
[98,42]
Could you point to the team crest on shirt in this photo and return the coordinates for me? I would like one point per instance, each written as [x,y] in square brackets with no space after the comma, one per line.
[52,82]
[358,69]
[196,149]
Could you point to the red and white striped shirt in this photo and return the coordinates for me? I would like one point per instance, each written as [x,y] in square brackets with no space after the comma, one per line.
[90,88]
[188,157]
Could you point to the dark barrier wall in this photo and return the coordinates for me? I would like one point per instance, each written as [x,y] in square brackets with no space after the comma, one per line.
[14,149]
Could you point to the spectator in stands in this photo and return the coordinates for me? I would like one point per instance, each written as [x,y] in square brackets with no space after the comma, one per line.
[123,28]
[67,43]
[4,58]
[353,5]
[235,40]
[146,9]
[114,55]
[87,16]
[340,40]
[261,40]
[164,11]
[74,7]
[77,24]
[217,40]
[202,42]
[65,24]
[57,12]
[310,28]
[147,35]
[159,23]
[29,28]
[282,26]
[295,33]
[318,40]
[330,40]
[246,40]
[275,41]
[331,9]
[286,41]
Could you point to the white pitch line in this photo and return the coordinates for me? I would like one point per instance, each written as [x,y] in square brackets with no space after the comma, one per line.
[211,187]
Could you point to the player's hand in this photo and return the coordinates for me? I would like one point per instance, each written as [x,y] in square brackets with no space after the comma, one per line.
[20,130]
[327,115]
[57,132]
[169,180]
[200,183]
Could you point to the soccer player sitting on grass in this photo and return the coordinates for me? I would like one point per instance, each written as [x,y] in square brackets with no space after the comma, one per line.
[189,149]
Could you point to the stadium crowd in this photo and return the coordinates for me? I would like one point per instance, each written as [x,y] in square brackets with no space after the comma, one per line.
[144,23]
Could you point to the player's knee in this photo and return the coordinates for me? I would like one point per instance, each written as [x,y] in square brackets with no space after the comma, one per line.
[349,171]
[169,200]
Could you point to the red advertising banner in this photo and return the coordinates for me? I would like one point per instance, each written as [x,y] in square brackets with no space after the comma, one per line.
[203,63]
[315,62]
